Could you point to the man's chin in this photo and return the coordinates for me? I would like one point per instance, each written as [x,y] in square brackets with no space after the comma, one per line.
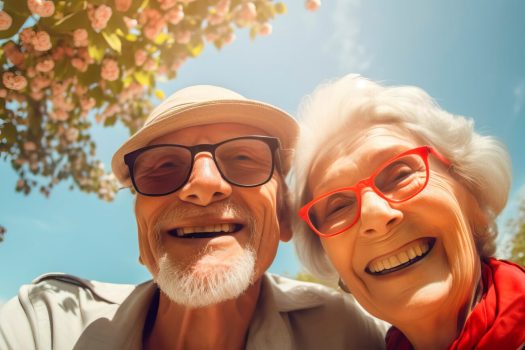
[209,281]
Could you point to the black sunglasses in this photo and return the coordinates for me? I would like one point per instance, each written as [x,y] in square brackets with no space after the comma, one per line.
[159,170]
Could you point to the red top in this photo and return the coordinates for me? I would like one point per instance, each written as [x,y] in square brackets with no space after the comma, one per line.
[497,321]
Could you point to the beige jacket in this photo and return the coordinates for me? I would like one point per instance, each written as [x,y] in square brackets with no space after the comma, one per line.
[60,311]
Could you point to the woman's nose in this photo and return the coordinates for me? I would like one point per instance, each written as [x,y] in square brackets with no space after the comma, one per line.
[377,215]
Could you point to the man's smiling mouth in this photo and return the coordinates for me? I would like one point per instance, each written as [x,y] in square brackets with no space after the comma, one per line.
[401,259]
[208,231]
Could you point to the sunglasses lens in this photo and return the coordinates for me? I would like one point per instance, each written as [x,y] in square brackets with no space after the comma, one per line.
[161,170]
[246,162]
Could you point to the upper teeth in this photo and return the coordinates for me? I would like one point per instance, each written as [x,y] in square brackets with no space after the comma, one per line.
[417,249]
[210,228]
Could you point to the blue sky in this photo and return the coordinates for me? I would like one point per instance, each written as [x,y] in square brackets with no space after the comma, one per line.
[469,55]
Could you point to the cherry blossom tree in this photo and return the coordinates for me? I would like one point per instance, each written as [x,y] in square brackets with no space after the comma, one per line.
[68,65]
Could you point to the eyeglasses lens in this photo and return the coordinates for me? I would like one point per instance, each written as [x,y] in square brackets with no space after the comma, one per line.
[161,170]
[397,181]
[246,162]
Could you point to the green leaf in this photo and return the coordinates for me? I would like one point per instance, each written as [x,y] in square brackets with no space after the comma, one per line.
[110,121]
[8,133]
[196,47]
[253,33]
[113,41]
[131,37]
[96,52]
[90,76]
[142,77]
[72,21]
[16,7]
[162,38]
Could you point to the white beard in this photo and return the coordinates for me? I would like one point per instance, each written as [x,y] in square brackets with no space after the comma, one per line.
[185,287]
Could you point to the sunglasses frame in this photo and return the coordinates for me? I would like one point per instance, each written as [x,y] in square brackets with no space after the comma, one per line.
[272,142]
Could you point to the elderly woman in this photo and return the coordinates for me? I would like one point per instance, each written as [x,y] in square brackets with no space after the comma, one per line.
[397,200]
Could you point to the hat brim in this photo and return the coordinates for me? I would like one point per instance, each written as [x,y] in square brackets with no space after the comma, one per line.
[271,120]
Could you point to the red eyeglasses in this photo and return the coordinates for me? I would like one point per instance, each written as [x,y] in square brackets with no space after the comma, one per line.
[397,180]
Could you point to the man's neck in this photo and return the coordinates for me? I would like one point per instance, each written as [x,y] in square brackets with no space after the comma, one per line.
[218,326]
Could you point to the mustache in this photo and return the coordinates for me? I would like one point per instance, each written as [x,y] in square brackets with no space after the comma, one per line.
[177,212]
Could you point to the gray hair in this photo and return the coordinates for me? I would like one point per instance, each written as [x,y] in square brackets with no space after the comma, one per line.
[481,163]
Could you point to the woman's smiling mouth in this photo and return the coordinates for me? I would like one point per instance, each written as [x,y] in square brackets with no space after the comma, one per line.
[402,258]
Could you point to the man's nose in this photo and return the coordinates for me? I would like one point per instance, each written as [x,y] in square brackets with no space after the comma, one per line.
[205,184]
[377,215]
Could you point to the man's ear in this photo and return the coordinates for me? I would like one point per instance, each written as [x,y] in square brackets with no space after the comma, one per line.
[284,214]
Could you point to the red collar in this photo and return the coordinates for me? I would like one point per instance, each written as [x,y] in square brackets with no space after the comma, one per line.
[498,319]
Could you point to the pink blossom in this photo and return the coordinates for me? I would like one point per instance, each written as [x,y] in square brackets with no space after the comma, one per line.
[215,18]
[27,35]
[149,65]
[29,146]
[149,15]
[79,64]
[265,29]
[122,5]
[99,16]
[59,115]
[183,36]
[80,37]
[37,95]
[186,1]
[13,54]
[42,41]
[13,81]
[174,16]
[130,22]
[31,72]
[87,103]
[58,88]
[40,82]
[140,57]
[111,110]
[83,53]
[20,161]
[80,90]
[41,8]
[152,29]
[20,184]
[45,65]
[134,90]
[110,70]
[210,35]
[5,20]
[247,12]
[178,63]
[229,38]
[222,7]
[3,93]
[69,51]
[166,4]
[312,5]
[58,53]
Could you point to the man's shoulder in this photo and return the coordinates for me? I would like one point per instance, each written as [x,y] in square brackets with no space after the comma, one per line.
[62,285]
[76,306]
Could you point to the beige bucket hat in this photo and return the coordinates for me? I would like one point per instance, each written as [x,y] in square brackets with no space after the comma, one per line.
[206,104]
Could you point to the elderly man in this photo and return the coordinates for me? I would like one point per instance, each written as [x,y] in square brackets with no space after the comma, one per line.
[211,207]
